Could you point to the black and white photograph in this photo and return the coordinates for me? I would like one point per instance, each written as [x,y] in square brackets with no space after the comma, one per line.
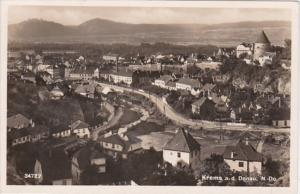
[144,95]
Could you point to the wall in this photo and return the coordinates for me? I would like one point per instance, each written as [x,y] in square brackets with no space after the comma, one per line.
[171,157]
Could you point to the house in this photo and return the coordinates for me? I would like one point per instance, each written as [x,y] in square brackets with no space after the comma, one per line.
[200,106]
[86,90]
[60,131]
[54,166]
[212,65]
[122,76]
[28,76]
[85,158]
[38,132]
[207,90]
[56,93]
[18,121]
[182,150]
[19,136]
[110,57]
[267,58]
[223,78]
[54,71]
[187,84]
[119,144]
[220,104]
[227,52]
[80,129]
[244,49]
[83,73]
[163,80]
[243,157]
[28,134]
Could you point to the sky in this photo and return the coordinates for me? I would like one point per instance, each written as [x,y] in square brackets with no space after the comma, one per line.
[76,15]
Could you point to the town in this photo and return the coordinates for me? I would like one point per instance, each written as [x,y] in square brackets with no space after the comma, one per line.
[92,115]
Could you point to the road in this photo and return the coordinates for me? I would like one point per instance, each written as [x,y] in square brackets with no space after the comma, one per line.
[115,117]
[170,113]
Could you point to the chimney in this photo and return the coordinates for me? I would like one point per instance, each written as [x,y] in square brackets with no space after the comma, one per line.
[247,141]
[231,155]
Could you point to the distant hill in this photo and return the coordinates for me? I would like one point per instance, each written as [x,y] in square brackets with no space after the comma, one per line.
[107,32]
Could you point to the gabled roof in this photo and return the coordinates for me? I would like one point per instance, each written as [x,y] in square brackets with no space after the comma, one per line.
[165,78]
[17,120]
[123,73]
[183,142]
[79,125]
[262,38]
[116,139]
[208,86]
[242,151]
[191,82]
[201,101]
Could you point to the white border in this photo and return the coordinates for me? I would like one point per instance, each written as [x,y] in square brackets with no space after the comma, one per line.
[293,6]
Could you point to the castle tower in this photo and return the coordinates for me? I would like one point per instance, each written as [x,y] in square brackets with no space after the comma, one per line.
[261,45]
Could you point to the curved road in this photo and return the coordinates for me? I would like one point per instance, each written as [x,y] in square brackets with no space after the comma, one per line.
[168,111]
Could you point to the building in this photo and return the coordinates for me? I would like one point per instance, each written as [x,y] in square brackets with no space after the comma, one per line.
[207,90]
[29,77]
[188,84]
[182,150]
[244,49]
[281,123]
[56,93]
[60,131]
[261,46]
[85,73]
[110,57]
[267,58]
[54,166]
[30,134]
[80,129]
[84,159]
[211,65]
[200,106]
[18,121]
[123,76]
[119,144]
[163,80]
[86,90]
[243,157]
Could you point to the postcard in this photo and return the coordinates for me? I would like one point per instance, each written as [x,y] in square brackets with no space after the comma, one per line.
[165,96]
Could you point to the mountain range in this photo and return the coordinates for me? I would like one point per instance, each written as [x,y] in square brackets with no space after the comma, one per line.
[108,32]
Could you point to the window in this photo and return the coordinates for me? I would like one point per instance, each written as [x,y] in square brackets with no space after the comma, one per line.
[113,146]
[241,164]
[171,153]
[191,154]
[285,122]
[178,154]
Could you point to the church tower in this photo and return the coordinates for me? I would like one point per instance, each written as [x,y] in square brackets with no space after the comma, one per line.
[261,45]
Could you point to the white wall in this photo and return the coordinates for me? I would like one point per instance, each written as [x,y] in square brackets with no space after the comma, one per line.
[253,166]
[171,157]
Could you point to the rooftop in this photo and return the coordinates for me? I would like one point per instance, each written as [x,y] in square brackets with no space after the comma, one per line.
[183,142]
[192,82]
[242,151]
[17,120]
[262,38]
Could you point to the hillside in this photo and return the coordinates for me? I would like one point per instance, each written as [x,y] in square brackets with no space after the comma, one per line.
[107,32]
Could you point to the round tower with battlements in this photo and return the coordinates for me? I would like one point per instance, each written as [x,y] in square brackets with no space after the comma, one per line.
[261,45]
